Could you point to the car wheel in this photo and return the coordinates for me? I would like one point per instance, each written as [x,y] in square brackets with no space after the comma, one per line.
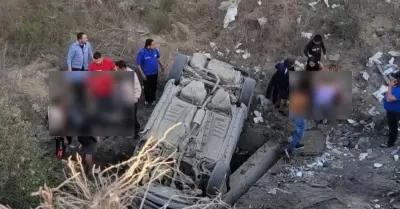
[177,67]
[218,179]
[246,95]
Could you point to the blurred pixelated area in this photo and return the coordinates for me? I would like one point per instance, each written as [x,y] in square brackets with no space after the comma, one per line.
[95,103]
[320,95]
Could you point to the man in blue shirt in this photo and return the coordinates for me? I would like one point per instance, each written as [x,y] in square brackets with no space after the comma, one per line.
[79,54]
[391,104]
[148,60]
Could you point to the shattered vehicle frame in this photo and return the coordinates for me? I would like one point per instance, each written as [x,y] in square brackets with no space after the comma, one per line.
[210,99]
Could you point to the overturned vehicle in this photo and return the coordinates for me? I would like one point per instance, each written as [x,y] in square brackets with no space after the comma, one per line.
[210,99]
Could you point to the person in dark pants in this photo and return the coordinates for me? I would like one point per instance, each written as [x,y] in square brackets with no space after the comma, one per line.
[148,60]
[88,147]
[79,54]
[315,47]
[391,104]
[131,94]
[278,86]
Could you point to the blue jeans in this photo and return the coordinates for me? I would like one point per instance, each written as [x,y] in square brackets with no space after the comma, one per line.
[300,125]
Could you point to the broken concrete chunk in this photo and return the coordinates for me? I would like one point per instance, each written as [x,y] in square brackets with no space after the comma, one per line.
[335,57]
[351,121]
[262,21]
[213,46]
[220,54]
[365,75]
[379,93]
[246,54]
[362,156]
[256,120]
[375,59]
[257,114]
[335,6]
[394,53]
[231,8]
[377,165]
[306,35]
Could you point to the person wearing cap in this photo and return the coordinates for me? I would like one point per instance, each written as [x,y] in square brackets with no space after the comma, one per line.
[391,104]
[278,86]
[315,47]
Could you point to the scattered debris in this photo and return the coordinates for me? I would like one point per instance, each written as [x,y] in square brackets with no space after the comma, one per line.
[263,100]
[231,8]
[335,6]
[377,165]
[391,61]
[335,57]
[326,3]
[374,59]
[377,206]
[365,75]
[298,66]
[257,69]
[213,46]
[259,3]
[238,45]
[306,35]
[274,190]
[396,158]
[379,93]
[246,54]
[351,121]
[262,21]
[313,4]
[257,114]
[362,156]
[327,35]
[373,111]
[394,53]
[220,54]
[298,20]
[380,31]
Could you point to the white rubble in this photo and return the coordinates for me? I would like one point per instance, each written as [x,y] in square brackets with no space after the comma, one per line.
[379,93]
[396,158]
[351,121]
[262,21]
[375,59]
[220,54]
[327,35]
[298,66]
[313,4]
[306,35]
[246,54]
[213,46]
[335,6]
[377,165]
[256,113]
[259,3]
[263,101]
[238,45]
[394,53]
[362,156]
[326,3]
[365,75]
[231,8]
[298,20]
[391,61]
[257,69]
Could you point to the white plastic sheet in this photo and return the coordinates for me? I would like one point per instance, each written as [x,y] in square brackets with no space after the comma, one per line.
[231,8]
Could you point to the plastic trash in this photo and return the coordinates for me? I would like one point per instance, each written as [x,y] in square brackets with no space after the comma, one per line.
[375,59]
[306,35]
[377,165]
[231,8]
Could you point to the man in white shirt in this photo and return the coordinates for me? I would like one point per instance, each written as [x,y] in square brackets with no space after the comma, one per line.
[131,95]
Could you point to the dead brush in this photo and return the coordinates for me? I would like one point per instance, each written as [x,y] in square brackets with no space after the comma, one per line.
[110,190]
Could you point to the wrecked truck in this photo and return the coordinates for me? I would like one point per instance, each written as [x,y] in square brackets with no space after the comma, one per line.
[210,99]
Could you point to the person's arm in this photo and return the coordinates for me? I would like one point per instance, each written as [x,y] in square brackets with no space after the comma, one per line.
[138,87]
[307,49]
[321,66]
[139,59]
[90,51]
[71,54]
[389,96]
[158,60]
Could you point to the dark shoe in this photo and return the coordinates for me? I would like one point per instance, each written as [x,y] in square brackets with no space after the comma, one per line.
[386,145]
[299,146]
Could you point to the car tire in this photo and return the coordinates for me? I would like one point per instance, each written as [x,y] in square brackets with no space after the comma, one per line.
[177,67]
[246,95]
[218,179]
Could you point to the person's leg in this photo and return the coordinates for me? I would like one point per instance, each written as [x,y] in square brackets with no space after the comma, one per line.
[270,87]
[137,125]
[154,83]
[298,134]
[146,90]
[392,123]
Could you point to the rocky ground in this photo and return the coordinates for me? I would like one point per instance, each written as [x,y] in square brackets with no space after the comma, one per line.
[344,167]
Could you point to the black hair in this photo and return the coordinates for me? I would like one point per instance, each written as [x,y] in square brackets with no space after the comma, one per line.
[80,35]
[96,55]
[289,62]
[148,42]
[121,64]
[317,38]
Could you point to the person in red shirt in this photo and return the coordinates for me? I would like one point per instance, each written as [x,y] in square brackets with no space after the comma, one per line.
[101,86]
[100,63]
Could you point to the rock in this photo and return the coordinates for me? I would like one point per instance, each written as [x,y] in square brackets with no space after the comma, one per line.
[377,165]
[362,156]
[377,206]
[380,31]
[335,57]
[364,143]
[397,42]
[365,75]
[220,54]
[180,31]
[394,53]
[396,158]
[262,21]
[213,46]
[36,107]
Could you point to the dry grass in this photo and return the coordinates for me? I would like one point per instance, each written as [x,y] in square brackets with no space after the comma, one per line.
[110,190]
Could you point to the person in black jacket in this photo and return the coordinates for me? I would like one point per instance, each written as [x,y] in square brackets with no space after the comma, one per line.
[278,87]
[314,65]
[315,48]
